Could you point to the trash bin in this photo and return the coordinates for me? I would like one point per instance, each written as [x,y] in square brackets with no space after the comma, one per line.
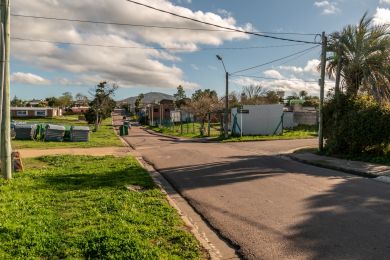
[123,130]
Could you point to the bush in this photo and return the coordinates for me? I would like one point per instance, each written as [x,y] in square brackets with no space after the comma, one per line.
[356,125]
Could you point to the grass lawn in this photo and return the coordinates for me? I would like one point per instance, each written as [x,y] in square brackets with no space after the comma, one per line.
[79,207]
[103,138]
[188,130]
[299,132]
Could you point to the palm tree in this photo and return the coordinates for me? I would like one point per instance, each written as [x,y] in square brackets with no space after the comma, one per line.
[361,59]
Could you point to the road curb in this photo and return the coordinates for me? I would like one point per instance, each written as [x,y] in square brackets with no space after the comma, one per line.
[174,198]
[332,167]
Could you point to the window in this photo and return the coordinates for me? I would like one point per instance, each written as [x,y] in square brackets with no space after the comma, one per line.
[40,113]
[155,110]
[21,113]
[167,110]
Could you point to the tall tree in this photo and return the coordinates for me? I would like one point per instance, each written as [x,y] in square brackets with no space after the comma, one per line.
[65,100]
[361,55]
[103,103]
[180,96]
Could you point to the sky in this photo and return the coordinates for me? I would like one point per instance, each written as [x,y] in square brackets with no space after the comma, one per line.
[142,60]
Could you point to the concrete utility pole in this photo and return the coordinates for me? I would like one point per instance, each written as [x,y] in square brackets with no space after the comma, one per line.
[322,90]
[226,112]
[6,150]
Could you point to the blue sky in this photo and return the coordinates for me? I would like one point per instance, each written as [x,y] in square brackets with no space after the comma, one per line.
[47,69]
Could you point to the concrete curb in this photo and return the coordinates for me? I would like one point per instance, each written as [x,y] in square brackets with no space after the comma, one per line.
[190,217]
[332,167]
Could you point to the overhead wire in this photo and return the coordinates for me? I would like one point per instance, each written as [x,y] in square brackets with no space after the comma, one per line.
[273,61]
[149,26]
[220,26]
[154,48]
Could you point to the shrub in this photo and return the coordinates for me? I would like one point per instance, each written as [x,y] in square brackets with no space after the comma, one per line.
[356,125]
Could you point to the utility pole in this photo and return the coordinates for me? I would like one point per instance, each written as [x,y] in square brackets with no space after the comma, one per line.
[6,150]
[322,90]
[226,129]
[226,111]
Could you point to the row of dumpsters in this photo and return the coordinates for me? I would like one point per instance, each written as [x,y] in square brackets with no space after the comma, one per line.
[50,132]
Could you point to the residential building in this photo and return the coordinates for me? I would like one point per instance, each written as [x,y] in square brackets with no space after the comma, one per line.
[35,112]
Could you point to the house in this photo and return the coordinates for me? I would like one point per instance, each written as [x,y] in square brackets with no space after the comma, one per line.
[35,112]
[79,109]
[159,113]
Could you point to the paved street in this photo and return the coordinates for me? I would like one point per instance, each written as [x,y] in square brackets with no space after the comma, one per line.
[272,207]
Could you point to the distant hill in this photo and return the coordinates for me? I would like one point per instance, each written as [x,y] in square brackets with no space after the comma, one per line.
[149,98]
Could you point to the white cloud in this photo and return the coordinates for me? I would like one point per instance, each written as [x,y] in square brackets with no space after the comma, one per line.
[288,85]
[328,7]
[382,16]
[273,74]
[28,78]
[224,12]
[128,67]
[311,67]
[384,1]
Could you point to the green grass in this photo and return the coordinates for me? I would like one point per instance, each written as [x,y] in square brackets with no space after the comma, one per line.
[299,132]
[190,130]
[78,207]
[103,138]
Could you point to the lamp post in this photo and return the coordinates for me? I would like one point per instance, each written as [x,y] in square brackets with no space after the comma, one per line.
[225,116]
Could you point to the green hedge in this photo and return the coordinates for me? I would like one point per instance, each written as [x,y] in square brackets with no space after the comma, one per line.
[356,125]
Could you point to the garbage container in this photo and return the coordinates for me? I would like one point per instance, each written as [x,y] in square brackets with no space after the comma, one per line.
[123,130]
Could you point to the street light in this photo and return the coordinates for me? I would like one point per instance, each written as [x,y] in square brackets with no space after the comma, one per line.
[225,118]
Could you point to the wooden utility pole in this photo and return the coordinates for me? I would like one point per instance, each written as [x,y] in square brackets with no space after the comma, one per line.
[322,90]
[226,127]
[6,160]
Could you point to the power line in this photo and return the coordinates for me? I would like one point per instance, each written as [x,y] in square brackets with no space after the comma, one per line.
[219,26]
[150,26]
[268,78]
[273,61]
[154,48]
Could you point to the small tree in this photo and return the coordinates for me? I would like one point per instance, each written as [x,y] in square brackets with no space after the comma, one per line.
[138,102]
[102,105]
[202,103]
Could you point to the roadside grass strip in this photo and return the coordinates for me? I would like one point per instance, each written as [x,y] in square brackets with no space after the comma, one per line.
[89,207]
[105,137]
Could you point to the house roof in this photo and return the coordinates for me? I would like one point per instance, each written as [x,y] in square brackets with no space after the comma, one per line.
[33,108]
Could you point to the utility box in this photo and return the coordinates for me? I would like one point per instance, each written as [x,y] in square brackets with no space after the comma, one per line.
[257,119]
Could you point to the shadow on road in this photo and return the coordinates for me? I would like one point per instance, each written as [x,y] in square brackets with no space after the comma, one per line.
[349,220]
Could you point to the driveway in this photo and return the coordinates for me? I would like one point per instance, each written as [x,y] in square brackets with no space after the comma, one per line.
[272,207]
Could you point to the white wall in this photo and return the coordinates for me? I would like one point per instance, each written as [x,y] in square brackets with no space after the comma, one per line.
[261,120]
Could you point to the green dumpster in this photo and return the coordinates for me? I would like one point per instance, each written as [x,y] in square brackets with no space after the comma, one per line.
[123,130]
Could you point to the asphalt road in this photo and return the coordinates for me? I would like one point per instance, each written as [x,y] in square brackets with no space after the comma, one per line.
[273,207]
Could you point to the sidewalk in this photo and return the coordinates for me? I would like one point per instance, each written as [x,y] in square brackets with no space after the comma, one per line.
[355,167]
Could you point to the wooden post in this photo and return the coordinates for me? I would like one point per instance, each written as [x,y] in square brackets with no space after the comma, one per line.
[322,90]
[6,150]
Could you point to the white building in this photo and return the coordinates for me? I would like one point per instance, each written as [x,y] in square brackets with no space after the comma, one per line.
[257,119]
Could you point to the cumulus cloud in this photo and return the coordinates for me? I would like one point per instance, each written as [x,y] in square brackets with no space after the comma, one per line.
[311,67]
[382,16]
[298,78]
[137,66]
[384,1]
[288,85]
[328,7]
[29,79]
[273,74]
